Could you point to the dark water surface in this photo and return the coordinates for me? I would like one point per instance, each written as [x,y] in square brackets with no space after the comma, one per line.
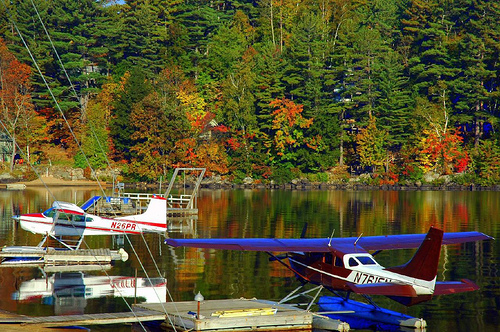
[262,213]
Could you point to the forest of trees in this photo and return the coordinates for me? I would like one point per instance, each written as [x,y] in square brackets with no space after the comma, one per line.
[271,89]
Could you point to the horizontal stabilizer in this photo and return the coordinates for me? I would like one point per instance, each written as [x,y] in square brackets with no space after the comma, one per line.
[452,287]
[388,289]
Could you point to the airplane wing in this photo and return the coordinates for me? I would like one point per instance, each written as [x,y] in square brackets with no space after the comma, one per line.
[408,241]
[346,245]
[254,244]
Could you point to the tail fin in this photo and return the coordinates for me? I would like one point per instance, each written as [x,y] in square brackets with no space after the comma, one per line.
[155,213]
[425,262]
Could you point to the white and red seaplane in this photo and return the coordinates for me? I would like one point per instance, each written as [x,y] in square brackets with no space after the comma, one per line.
[65,219]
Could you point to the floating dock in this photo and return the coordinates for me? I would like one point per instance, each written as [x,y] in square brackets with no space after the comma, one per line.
[87,319]
[238,315]
[47,257]
[214,315]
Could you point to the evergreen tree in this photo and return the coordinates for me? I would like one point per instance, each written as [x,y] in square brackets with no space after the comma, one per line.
[199,21]
[24,23]
[307,54]
[430,63]
[136,87]
[227,47]
[58,34]
[269,84]
[475,93]
[393,106]
[142,42]
[109,51]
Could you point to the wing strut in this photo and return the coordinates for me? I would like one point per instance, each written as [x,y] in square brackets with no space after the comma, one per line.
[71,244]
[314,298]
[292,294]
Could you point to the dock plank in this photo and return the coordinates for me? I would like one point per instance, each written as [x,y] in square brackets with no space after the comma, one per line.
[181,315]
[89,319]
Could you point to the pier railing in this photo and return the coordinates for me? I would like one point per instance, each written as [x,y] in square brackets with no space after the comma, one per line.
[181,204]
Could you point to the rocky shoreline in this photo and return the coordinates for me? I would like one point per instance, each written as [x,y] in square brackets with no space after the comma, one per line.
[64,176]
[304,184]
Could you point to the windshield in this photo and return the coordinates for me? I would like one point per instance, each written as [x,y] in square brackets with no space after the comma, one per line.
[366,260]
[49,213]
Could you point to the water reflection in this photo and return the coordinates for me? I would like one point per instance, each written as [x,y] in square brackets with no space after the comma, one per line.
[276,213]
[68,292]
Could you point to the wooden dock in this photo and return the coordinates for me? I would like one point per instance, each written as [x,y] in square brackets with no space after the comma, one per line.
[238,315]
[215,315]
[138,315]
[244,314]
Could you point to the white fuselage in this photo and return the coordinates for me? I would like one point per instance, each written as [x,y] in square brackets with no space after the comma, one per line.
[362,269]
[91,225]
[67,219]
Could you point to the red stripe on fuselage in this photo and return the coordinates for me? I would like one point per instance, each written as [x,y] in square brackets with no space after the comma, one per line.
[71,212]
[35,215]
[138,222]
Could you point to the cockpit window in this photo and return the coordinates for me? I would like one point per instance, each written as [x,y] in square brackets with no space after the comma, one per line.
[63,217]
[366,260]
[78,218]
[338,262]
[49,213]
[353,262]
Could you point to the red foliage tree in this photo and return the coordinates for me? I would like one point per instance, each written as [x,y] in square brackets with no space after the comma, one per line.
[444,153]
[16,108]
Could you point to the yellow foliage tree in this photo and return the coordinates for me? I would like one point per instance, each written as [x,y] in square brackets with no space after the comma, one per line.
[371,145]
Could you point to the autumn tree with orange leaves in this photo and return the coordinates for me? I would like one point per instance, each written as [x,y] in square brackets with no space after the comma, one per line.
[443,154]
[287,135]
[198,148]
[17,113]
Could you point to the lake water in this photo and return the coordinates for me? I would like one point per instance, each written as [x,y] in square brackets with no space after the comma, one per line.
[262,213]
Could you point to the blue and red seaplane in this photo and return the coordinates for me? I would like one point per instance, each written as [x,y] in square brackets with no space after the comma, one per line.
[346,264]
